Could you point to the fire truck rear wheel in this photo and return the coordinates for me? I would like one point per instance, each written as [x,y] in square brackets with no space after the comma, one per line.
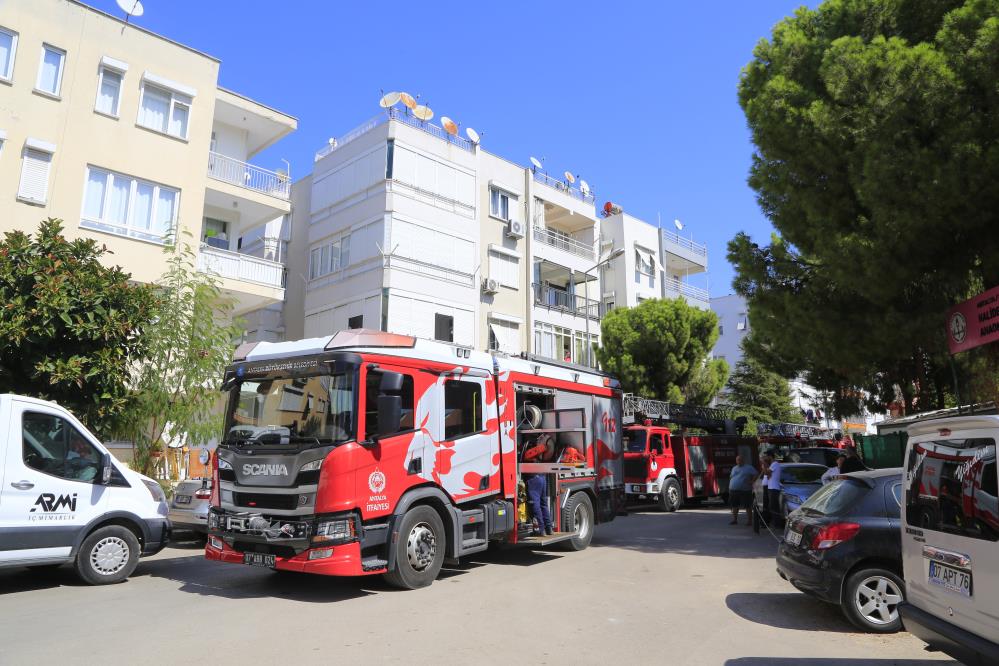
[419,550]
[577,516]
[670,499]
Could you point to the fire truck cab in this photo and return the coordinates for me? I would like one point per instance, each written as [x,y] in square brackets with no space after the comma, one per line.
[373,453]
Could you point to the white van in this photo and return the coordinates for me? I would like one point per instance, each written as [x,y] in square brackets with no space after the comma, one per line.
[950,538]
[64,499]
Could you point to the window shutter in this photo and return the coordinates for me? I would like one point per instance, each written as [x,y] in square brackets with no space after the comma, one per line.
[35,176]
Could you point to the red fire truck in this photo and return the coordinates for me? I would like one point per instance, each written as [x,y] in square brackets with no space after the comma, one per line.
[373,453]
[673,467]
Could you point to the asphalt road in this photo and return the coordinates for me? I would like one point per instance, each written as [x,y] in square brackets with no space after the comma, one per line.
[682,588]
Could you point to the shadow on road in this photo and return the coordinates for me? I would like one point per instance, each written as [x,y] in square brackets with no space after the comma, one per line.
[832,661]
[788,610]
[702,531]
[28,580]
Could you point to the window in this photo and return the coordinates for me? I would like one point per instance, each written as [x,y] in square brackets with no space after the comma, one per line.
[505,268]
[644,263]
[108,92]
[164,111]
[443,327]
[721,330]
[951,486]
[499,204]
[462,409]
[50,70]
[357,321]
[656,444]
[34,187]
[504,337]
[8,47]
[53,446]
[128,206]
[372,386]
[330,257]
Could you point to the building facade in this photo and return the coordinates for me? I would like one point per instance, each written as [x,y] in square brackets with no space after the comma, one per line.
[127,137]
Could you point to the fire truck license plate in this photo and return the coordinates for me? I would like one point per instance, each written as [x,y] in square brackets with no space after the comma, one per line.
[258,559]
[954,580]
[793,538]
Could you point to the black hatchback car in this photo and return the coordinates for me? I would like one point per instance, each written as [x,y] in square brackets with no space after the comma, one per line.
[844,546]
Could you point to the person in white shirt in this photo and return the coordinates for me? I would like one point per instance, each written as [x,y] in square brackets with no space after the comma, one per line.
[773,487]
[834,471]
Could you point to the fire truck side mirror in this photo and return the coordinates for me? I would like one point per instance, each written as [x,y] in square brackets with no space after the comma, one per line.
[389,414]
[391,382]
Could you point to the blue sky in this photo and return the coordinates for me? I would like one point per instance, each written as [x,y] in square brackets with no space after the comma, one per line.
[639,98]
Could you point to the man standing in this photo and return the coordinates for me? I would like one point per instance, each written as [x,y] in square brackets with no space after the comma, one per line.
[773,491]
[835,470]
[740,489]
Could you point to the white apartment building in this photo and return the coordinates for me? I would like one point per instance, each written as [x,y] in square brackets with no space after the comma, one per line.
[403,227]
[733,327]
[655,263]
[126,136]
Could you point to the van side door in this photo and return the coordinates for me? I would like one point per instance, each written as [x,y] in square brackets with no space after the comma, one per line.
[51,486]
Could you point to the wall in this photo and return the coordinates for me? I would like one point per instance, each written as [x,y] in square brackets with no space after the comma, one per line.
[732,312]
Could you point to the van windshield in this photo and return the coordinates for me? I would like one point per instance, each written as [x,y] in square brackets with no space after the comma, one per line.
[306,411]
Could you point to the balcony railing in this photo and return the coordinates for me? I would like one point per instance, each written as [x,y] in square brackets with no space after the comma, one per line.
[562,186]
[554,298]
[566,243]
[685,243]
[403,116]
[688,291]
[243,267]
[242,174]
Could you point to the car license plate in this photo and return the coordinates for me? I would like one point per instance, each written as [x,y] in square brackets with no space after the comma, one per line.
[258,559]
[951,579]
[792,537]
[183,499]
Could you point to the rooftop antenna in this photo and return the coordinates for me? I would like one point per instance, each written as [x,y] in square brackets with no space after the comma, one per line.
[584,187]
[472,135]
[131,8]
[536,163]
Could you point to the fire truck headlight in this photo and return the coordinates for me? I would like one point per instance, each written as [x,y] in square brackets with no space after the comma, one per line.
[224,464]
[312,466]
[337,531]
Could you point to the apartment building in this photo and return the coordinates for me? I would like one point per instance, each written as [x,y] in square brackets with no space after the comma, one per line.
[655,263]
[127,137]
[405,227]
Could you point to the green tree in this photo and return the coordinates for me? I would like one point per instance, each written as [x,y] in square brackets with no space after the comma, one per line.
[760,395]
[71,328]
[175,393]
[660,347]
[877,150]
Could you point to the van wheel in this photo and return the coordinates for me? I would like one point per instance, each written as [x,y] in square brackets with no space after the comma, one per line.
[108,555]
[871,598]
[670,499]
[419,551]
[578,517]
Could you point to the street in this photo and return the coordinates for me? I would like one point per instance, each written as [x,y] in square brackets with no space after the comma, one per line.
[683,588]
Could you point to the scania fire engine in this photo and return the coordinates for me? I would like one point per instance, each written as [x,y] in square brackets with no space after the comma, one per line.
[374,453]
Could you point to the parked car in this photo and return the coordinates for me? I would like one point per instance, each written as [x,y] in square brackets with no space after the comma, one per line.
[189,506]
[797,480]
[819,455]
[844,546]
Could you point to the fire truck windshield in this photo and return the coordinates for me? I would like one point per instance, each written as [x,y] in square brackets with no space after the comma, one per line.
[296,412]
[634,440]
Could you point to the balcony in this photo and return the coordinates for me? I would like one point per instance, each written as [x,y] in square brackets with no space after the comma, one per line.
[683,255]
[563,187]
[241,267]
[564,242]
[242,174]
[553,298]
[694,295]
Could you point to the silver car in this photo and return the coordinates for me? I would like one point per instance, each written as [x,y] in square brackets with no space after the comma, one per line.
[189,506]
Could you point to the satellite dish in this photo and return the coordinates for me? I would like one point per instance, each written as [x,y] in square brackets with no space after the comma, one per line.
[407,100]
[535,162]
[331,141]
[678,224]
[423,112]
[569,177]
[472,135]
[389,99]
[584,187]
[449,126]
[131,7]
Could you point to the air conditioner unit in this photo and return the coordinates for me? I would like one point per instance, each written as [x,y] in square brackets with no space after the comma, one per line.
[515,229]
[490,285]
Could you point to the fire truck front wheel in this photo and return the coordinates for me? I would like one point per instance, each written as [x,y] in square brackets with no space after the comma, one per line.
[419,550]
[577,516]
[670,499]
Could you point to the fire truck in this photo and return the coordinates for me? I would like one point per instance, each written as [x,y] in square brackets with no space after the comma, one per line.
[368,452]
[780,438]
[666,461]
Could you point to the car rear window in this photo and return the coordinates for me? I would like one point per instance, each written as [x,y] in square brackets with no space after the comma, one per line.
[801,474]
[836,498]
[816,456]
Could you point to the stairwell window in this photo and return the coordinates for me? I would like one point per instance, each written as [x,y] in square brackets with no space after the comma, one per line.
[8,47]
[127,206]
[50,70]
[35,166]
[108,92]
[164,111]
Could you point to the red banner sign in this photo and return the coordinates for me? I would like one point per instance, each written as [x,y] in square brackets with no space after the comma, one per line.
[974,323]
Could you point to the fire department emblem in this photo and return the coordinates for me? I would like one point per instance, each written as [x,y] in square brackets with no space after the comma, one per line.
[376,482]
[958,327]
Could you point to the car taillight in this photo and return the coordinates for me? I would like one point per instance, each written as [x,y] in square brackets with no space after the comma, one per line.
[832,535]
[203,493]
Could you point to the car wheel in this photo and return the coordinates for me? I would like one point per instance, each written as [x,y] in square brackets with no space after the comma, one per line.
[671,498]
[108,555]
[871,598]
[578,517]
[420,548]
